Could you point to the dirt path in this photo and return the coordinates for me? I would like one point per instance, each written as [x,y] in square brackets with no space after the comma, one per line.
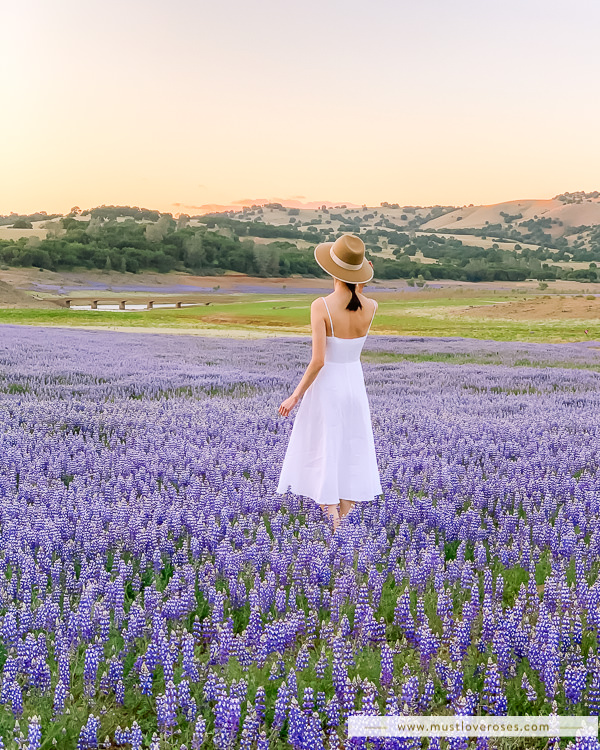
[540,308]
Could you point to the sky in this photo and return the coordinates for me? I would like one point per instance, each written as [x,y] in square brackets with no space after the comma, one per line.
[176,106]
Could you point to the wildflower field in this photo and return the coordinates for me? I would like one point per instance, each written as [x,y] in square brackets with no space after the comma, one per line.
[155,591]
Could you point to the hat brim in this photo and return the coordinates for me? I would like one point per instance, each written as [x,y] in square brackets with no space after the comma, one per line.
[359,276]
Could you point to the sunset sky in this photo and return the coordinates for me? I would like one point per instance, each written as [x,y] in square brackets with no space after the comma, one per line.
[177,105]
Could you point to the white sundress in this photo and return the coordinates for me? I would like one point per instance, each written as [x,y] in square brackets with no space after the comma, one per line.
[331,451]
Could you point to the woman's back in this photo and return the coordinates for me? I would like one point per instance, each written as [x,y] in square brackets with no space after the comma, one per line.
[348,324]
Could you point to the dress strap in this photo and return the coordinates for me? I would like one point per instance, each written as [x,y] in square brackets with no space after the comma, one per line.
[374,311]
[328,313]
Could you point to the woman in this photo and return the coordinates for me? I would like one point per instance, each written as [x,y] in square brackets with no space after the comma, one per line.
[331,453]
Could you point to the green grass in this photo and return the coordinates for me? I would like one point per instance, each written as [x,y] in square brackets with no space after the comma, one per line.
[420,316]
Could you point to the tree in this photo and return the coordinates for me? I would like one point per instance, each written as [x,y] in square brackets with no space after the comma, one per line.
[53,228]
[194,255]
[266,260]
[94,226]
[158,231]
[123,264]
[183,221]
[108,264]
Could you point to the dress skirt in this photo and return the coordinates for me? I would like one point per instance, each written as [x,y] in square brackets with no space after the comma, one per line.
[331,450]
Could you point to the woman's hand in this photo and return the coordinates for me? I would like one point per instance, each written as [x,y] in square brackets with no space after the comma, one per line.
[287,405]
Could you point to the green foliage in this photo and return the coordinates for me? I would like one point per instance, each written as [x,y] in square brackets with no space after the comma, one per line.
[224,243]
[162,246]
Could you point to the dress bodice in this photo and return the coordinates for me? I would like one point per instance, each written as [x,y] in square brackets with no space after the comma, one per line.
[342,351]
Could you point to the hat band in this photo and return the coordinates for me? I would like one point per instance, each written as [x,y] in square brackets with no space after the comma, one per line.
[342,263]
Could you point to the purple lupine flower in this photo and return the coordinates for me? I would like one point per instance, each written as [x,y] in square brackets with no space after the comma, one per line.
[136,737]
[10,632]
[528,687]
[90,667]
[184,696]
[145,680]
[339,670]
[170,705]
[321,665]
[64,672]
[333,712]
[60,696]
[369,705]
[229,720]
[34,734]
[575,679]
[296,725]
[250,728]
[199,733]
[387,665]
[592,699]
[120,692]
[122,736]
[91,731]
[302,660]
[428,644]
[82,742]
[426,697]
[16,698]
[403,616]
[410,692]
[550,662]
[262,742]
[190,669]
[308,701]
[313,736]
[493,697]
[348,697]
[239,689]
[292,683]
[260,703]
[454,679]
[281,705]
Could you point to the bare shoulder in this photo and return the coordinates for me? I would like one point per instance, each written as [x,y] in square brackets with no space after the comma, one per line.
[364,297]
[317,307]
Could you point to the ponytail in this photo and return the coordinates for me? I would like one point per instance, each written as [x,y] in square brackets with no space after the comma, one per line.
[354,303]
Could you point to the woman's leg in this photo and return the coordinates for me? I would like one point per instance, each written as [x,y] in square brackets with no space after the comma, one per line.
[345,507]
[331,511]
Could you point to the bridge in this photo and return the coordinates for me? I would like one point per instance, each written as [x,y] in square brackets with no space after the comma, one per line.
[93,302]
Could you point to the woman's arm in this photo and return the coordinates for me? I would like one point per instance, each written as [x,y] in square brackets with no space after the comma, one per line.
[317,321]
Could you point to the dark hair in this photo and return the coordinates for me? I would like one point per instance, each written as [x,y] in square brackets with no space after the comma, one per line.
[354,303]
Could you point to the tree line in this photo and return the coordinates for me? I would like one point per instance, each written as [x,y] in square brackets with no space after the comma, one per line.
[219,245]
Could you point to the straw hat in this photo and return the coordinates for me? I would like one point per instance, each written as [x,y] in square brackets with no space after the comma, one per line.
[344,259]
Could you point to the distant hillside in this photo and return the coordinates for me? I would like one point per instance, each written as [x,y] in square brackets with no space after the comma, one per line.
[557,216]
[514,240]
